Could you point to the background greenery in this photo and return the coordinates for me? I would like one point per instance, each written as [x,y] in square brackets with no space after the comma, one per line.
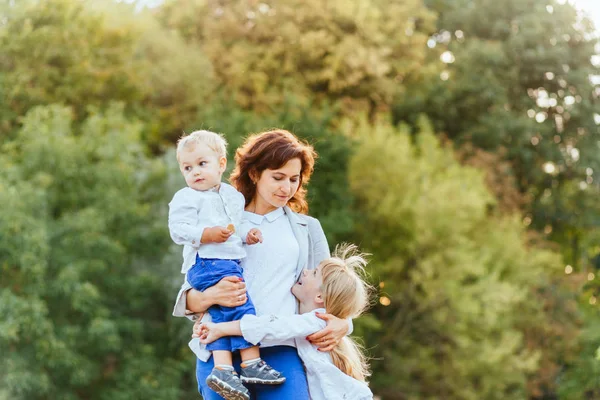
[459,143]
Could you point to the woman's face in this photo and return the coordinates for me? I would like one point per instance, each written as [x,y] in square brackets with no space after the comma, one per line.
[275,187]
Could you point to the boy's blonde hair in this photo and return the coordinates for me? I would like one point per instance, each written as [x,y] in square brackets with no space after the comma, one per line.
[346,295]
[215,141]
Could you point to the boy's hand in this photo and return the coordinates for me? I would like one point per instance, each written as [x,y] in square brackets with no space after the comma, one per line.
[254,236]
[216,234]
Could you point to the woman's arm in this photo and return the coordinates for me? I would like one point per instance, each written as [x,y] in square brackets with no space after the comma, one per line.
[229,292]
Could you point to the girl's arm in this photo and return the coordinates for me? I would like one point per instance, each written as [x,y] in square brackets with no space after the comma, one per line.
[255,329]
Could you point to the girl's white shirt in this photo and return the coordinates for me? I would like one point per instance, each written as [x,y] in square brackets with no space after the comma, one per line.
[325,380]
[305,246]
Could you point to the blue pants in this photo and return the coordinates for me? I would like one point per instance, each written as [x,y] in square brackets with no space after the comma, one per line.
[284,359]
[208,272]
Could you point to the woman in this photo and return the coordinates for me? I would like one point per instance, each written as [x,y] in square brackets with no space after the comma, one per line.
[272,170]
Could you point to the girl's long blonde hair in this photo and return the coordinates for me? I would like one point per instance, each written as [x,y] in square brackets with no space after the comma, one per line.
[346,295]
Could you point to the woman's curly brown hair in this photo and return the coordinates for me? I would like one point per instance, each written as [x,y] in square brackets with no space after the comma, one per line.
[271,150]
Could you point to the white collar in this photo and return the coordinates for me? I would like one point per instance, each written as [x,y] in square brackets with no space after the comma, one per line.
[257,219]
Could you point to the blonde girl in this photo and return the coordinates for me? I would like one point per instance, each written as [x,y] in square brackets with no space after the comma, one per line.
[336,286]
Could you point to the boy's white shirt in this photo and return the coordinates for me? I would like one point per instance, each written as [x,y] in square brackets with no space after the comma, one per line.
[325,380]
[191,211]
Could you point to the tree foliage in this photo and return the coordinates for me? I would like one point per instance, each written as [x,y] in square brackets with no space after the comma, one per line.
[459,278]
[356,52]
[517,82]
[90,53]
[84,304]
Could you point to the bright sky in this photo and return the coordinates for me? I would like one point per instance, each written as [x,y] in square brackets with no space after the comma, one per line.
[591,8]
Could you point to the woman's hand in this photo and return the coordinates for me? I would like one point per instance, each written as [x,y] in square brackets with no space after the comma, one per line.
[228,292]
[329,337]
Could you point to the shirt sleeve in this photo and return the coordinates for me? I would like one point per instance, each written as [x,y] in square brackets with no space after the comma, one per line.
[319,251]
[185,225]
[180,308]
[273,327]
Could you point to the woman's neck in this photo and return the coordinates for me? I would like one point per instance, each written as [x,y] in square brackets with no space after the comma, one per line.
[260,207]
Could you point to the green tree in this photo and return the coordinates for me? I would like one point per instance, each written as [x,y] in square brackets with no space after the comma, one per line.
[84,307]
[458,281]
[517,82]
[90,53]
[356,53]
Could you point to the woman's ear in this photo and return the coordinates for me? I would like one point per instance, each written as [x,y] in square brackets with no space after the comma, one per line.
[253,176]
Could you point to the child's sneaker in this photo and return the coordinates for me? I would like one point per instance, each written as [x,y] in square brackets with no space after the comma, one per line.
[227,384]
[261,372]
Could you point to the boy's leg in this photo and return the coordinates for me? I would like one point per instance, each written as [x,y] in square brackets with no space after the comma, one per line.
[256,370]
[203,370]
[222,379]
[226,382]
[250,353]
[222,357]
[205,273]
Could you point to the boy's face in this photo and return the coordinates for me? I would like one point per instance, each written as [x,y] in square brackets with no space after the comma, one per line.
[201,166]
[308,287]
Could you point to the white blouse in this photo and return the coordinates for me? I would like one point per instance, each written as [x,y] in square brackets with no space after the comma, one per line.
[270,267]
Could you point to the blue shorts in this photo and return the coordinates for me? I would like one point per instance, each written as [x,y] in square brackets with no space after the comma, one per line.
[207,272]
[284,359]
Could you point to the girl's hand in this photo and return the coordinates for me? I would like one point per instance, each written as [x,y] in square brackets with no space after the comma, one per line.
[208,332]
[329,337]
[254,236]
[197,329]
